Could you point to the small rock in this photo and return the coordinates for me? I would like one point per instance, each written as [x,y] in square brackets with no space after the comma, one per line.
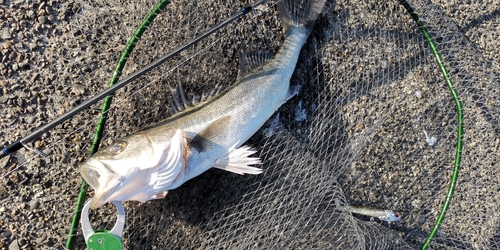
[42,19]
[5,160]
[31,120]
[32,46]
[6,233]
[14,245]
[6,34]
[78,90]
[22,242]
[47,151]
[418,94]
[86,69]
[14,178]
[24,64]
[41,238]
[3,190]
[34,204]
[30,13]
[37,188]
[6,45]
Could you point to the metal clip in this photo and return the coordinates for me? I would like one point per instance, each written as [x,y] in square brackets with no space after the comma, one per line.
[103,239]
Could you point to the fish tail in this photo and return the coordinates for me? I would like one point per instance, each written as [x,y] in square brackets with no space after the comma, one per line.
[300,12]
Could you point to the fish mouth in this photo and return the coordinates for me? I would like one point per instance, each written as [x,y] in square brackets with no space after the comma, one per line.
[99,176]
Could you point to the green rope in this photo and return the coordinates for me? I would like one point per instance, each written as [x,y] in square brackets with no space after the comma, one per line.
[458,150]
[104,111]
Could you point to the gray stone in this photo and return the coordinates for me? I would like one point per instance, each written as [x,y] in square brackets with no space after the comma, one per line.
[78,89]
[6,34]
[5,160]
[6,233]
[42,19]
[30,13]
[32,46]
[34,204]
[14,245]
[3,189]
[31,120]
[41,238]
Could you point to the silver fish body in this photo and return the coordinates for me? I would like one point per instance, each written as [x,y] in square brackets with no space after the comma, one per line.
[382,214]
[145,165]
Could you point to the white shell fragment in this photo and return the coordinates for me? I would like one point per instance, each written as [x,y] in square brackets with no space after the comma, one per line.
[418,94]
[431,141]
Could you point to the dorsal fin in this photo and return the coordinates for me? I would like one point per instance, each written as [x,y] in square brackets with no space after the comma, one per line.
[180,101]
[251,60]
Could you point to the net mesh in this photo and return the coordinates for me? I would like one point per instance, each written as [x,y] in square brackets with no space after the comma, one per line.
[373,124]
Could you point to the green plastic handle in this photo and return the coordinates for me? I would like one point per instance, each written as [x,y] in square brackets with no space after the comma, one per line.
[103,239]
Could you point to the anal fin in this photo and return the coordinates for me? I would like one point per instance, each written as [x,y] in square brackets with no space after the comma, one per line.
[238,161]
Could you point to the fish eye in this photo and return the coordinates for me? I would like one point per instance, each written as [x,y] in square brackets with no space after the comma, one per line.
[118,147]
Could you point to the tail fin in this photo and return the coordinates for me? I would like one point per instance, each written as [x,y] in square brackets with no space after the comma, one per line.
[300,12]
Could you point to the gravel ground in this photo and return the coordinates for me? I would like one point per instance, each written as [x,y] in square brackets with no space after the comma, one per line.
[56,54]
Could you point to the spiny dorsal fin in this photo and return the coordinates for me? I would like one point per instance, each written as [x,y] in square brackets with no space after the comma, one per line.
[211,134]
[180,101]
[238,161]
[251,60]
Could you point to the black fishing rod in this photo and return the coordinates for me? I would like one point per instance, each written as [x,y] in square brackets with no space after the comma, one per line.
[45,128]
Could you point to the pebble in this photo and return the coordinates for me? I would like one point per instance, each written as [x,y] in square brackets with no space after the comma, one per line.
[42,19]
[6,34]
[32,46]
[14,245]
[78,89]
[30,13]
[47,151]
[418,94]
[3,190]
[6,233]
[41,238]
[31,120]
[34,204]
[4,161]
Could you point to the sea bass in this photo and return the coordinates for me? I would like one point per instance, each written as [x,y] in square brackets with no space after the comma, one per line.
[146,164]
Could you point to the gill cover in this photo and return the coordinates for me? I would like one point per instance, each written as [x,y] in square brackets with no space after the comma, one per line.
[138,168]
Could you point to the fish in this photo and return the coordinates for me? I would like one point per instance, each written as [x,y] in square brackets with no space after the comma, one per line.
[147,164]
[382,214]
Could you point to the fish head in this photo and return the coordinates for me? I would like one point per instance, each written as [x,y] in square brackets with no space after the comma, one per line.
[138,167]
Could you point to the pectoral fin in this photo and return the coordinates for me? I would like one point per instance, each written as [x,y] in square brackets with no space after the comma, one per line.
[211,135]
[238,161]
